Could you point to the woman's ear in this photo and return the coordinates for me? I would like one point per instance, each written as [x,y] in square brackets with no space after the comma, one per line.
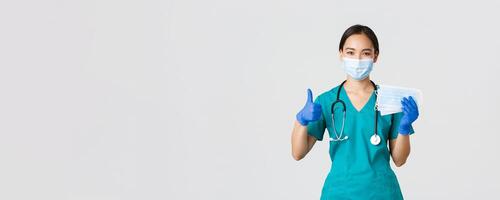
[375,58]
[340,54]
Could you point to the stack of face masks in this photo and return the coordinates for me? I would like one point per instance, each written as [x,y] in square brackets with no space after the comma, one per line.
[389,98]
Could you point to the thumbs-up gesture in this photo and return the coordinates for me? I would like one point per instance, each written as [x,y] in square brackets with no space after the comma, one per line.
[311,111]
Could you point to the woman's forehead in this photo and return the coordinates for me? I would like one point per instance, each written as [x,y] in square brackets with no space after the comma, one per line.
[358,42]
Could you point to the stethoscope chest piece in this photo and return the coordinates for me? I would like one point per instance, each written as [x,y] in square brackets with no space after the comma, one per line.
[375,139]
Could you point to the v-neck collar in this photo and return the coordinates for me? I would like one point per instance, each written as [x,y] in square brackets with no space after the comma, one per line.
[364,107]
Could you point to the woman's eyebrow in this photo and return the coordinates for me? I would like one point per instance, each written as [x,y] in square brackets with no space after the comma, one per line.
[350,48]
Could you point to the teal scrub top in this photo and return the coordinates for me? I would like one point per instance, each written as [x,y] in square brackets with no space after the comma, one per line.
[359,169]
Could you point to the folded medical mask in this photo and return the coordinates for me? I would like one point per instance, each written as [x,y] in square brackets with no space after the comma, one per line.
[356,68]
[389,98]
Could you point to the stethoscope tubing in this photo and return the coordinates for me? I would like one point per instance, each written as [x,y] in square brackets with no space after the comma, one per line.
[338,137]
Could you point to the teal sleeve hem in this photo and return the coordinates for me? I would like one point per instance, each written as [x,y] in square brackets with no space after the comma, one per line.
[315,136]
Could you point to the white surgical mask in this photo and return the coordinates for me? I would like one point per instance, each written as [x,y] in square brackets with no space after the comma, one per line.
[389,98]
[356,68]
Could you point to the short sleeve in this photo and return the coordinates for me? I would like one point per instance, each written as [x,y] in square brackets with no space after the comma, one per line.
[317,128]
[396,118]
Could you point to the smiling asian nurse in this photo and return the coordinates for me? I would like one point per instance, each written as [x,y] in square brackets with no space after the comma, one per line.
[361,140]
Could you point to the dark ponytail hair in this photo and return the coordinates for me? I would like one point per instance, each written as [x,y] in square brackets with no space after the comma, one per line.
[359,29]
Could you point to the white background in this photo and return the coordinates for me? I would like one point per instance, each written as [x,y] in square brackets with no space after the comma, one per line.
[196,99]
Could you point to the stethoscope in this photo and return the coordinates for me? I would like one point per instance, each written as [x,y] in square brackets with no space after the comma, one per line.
[375,139]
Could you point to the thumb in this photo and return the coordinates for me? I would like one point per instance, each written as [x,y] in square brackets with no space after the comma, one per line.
[309,95]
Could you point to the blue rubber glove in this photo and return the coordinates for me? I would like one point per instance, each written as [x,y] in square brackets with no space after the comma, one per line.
[311,111]
[410,114]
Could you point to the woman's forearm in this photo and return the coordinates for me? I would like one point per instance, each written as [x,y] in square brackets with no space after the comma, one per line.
[301,142]
[400,149]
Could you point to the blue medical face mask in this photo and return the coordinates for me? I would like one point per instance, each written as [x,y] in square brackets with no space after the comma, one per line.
[389,98]
[356,68]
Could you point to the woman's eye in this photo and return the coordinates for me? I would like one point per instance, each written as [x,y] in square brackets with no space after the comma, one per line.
[368,54]
[350,53]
